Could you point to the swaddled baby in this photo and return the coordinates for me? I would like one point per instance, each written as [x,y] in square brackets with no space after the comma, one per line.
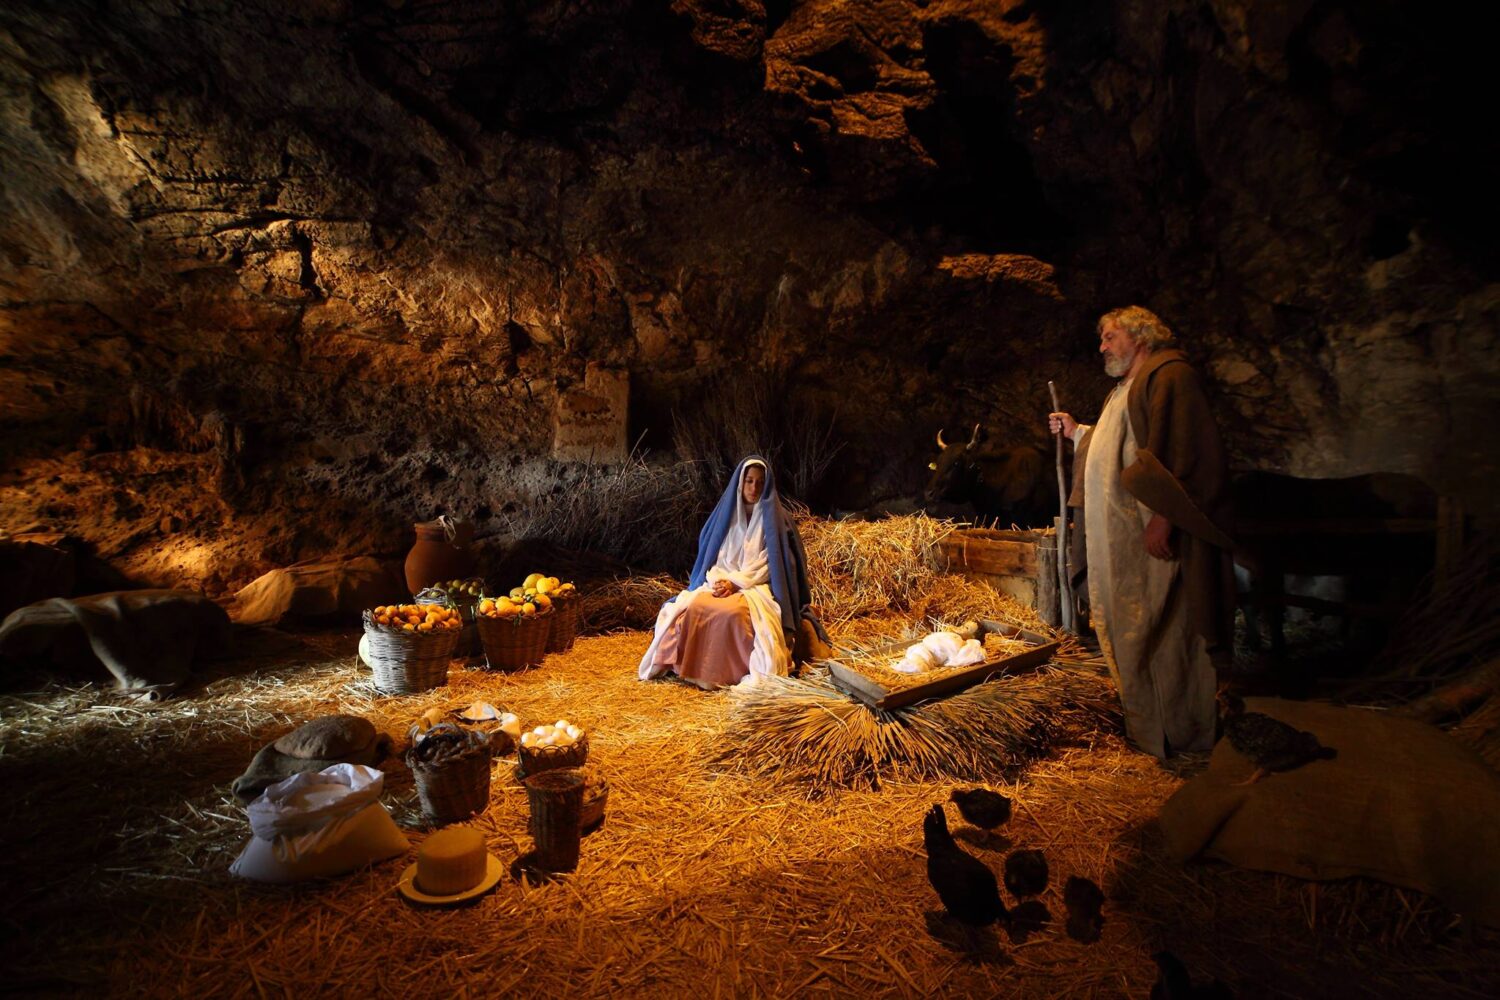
[940,649]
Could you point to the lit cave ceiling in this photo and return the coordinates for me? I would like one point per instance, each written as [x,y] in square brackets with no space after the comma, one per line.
[278,278]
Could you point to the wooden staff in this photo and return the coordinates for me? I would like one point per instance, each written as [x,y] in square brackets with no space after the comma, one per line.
[1064,580]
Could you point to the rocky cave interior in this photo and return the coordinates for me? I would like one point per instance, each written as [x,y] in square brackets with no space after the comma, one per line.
[277,285]
[281,279]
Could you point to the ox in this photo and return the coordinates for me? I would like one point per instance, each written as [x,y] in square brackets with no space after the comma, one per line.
[1009,485]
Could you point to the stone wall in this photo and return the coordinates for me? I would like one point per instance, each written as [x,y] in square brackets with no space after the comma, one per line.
[357,255]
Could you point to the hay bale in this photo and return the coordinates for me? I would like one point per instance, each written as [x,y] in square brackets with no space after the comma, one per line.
[806,731]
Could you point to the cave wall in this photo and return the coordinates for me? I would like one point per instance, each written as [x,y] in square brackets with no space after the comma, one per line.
[308,270]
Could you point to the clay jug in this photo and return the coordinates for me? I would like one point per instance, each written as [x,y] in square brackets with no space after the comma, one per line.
[443,551]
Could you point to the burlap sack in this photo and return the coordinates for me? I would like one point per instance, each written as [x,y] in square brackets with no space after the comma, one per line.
[148,639]
[1403,803]
[317,588]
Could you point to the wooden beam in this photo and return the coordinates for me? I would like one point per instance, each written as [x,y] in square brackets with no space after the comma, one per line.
[1002,558]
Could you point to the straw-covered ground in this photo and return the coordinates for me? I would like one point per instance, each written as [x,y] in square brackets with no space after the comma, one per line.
[706,878]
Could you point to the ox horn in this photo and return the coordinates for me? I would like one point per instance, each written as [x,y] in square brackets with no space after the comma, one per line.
[940,438]
[974,438]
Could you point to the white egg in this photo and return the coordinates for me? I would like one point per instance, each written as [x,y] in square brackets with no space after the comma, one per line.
[575,732]
[563,739]
[561,724]
[527,739]
[540,730]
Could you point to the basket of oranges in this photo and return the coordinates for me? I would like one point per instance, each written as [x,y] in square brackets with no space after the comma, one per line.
[513,630]
[408,646]
[565,609]
[462,595]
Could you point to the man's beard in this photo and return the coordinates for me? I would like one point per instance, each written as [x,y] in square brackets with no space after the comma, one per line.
[1116,366]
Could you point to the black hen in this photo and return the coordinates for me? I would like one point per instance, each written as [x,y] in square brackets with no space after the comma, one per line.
[1083,899]
[982,807]
[1174,983]
[1270,744]
[964,883]
[1025,873]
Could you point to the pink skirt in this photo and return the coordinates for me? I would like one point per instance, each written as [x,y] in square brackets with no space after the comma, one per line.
[710,641]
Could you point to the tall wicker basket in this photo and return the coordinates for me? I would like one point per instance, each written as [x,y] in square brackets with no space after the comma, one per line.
[405,661]
[565,612]
[451,767]
[514,643]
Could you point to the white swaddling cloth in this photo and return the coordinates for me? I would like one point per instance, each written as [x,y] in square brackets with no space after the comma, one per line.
[940,649]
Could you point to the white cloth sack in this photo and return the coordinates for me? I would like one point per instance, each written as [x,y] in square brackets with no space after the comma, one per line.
[317,824]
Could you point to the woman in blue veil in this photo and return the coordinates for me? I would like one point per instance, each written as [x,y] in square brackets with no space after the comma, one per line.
[747,596]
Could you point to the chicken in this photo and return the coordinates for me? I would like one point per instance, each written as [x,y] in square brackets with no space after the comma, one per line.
[1025,873]
[1027,919]
[1270,744]
[964,883]
[1174,983]
[982,807]
[1083,899]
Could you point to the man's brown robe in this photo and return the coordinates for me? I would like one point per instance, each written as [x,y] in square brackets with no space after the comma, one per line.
[1181,473]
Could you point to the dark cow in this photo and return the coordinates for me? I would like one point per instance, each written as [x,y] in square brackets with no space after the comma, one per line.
[1008,485]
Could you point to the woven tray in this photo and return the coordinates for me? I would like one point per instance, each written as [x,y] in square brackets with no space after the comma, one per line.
[514,643]
[451,768]
[534,760]
[405,661]
[565,612]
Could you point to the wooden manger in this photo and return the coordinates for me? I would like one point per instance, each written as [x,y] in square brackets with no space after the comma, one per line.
[1019,564]
[848,678]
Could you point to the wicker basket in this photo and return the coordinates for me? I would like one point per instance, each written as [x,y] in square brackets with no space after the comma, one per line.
[514,643]
[466,605]
[595,798]
[565,612]
[451,767]
[405,661]
[535,760]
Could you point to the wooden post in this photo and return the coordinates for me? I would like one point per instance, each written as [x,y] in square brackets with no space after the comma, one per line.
[1047,607]
[1064,583]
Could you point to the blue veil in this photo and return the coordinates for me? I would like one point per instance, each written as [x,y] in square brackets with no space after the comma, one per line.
[784,554]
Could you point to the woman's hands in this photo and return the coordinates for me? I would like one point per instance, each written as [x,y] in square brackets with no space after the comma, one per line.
[723,588]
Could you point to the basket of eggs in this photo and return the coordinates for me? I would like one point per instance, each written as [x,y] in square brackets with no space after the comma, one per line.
[545,748]
[408,646]
[513,630]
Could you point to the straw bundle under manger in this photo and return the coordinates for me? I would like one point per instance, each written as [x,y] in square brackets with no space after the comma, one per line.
[806,731]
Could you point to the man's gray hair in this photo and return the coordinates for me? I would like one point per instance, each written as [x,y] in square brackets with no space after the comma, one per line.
[1143,325]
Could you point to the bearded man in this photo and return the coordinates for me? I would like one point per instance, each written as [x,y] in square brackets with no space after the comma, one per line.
[1152,483]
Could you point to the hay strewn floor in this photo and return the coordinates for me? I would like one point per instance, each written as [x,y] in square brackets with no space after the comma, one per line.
[702,882]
